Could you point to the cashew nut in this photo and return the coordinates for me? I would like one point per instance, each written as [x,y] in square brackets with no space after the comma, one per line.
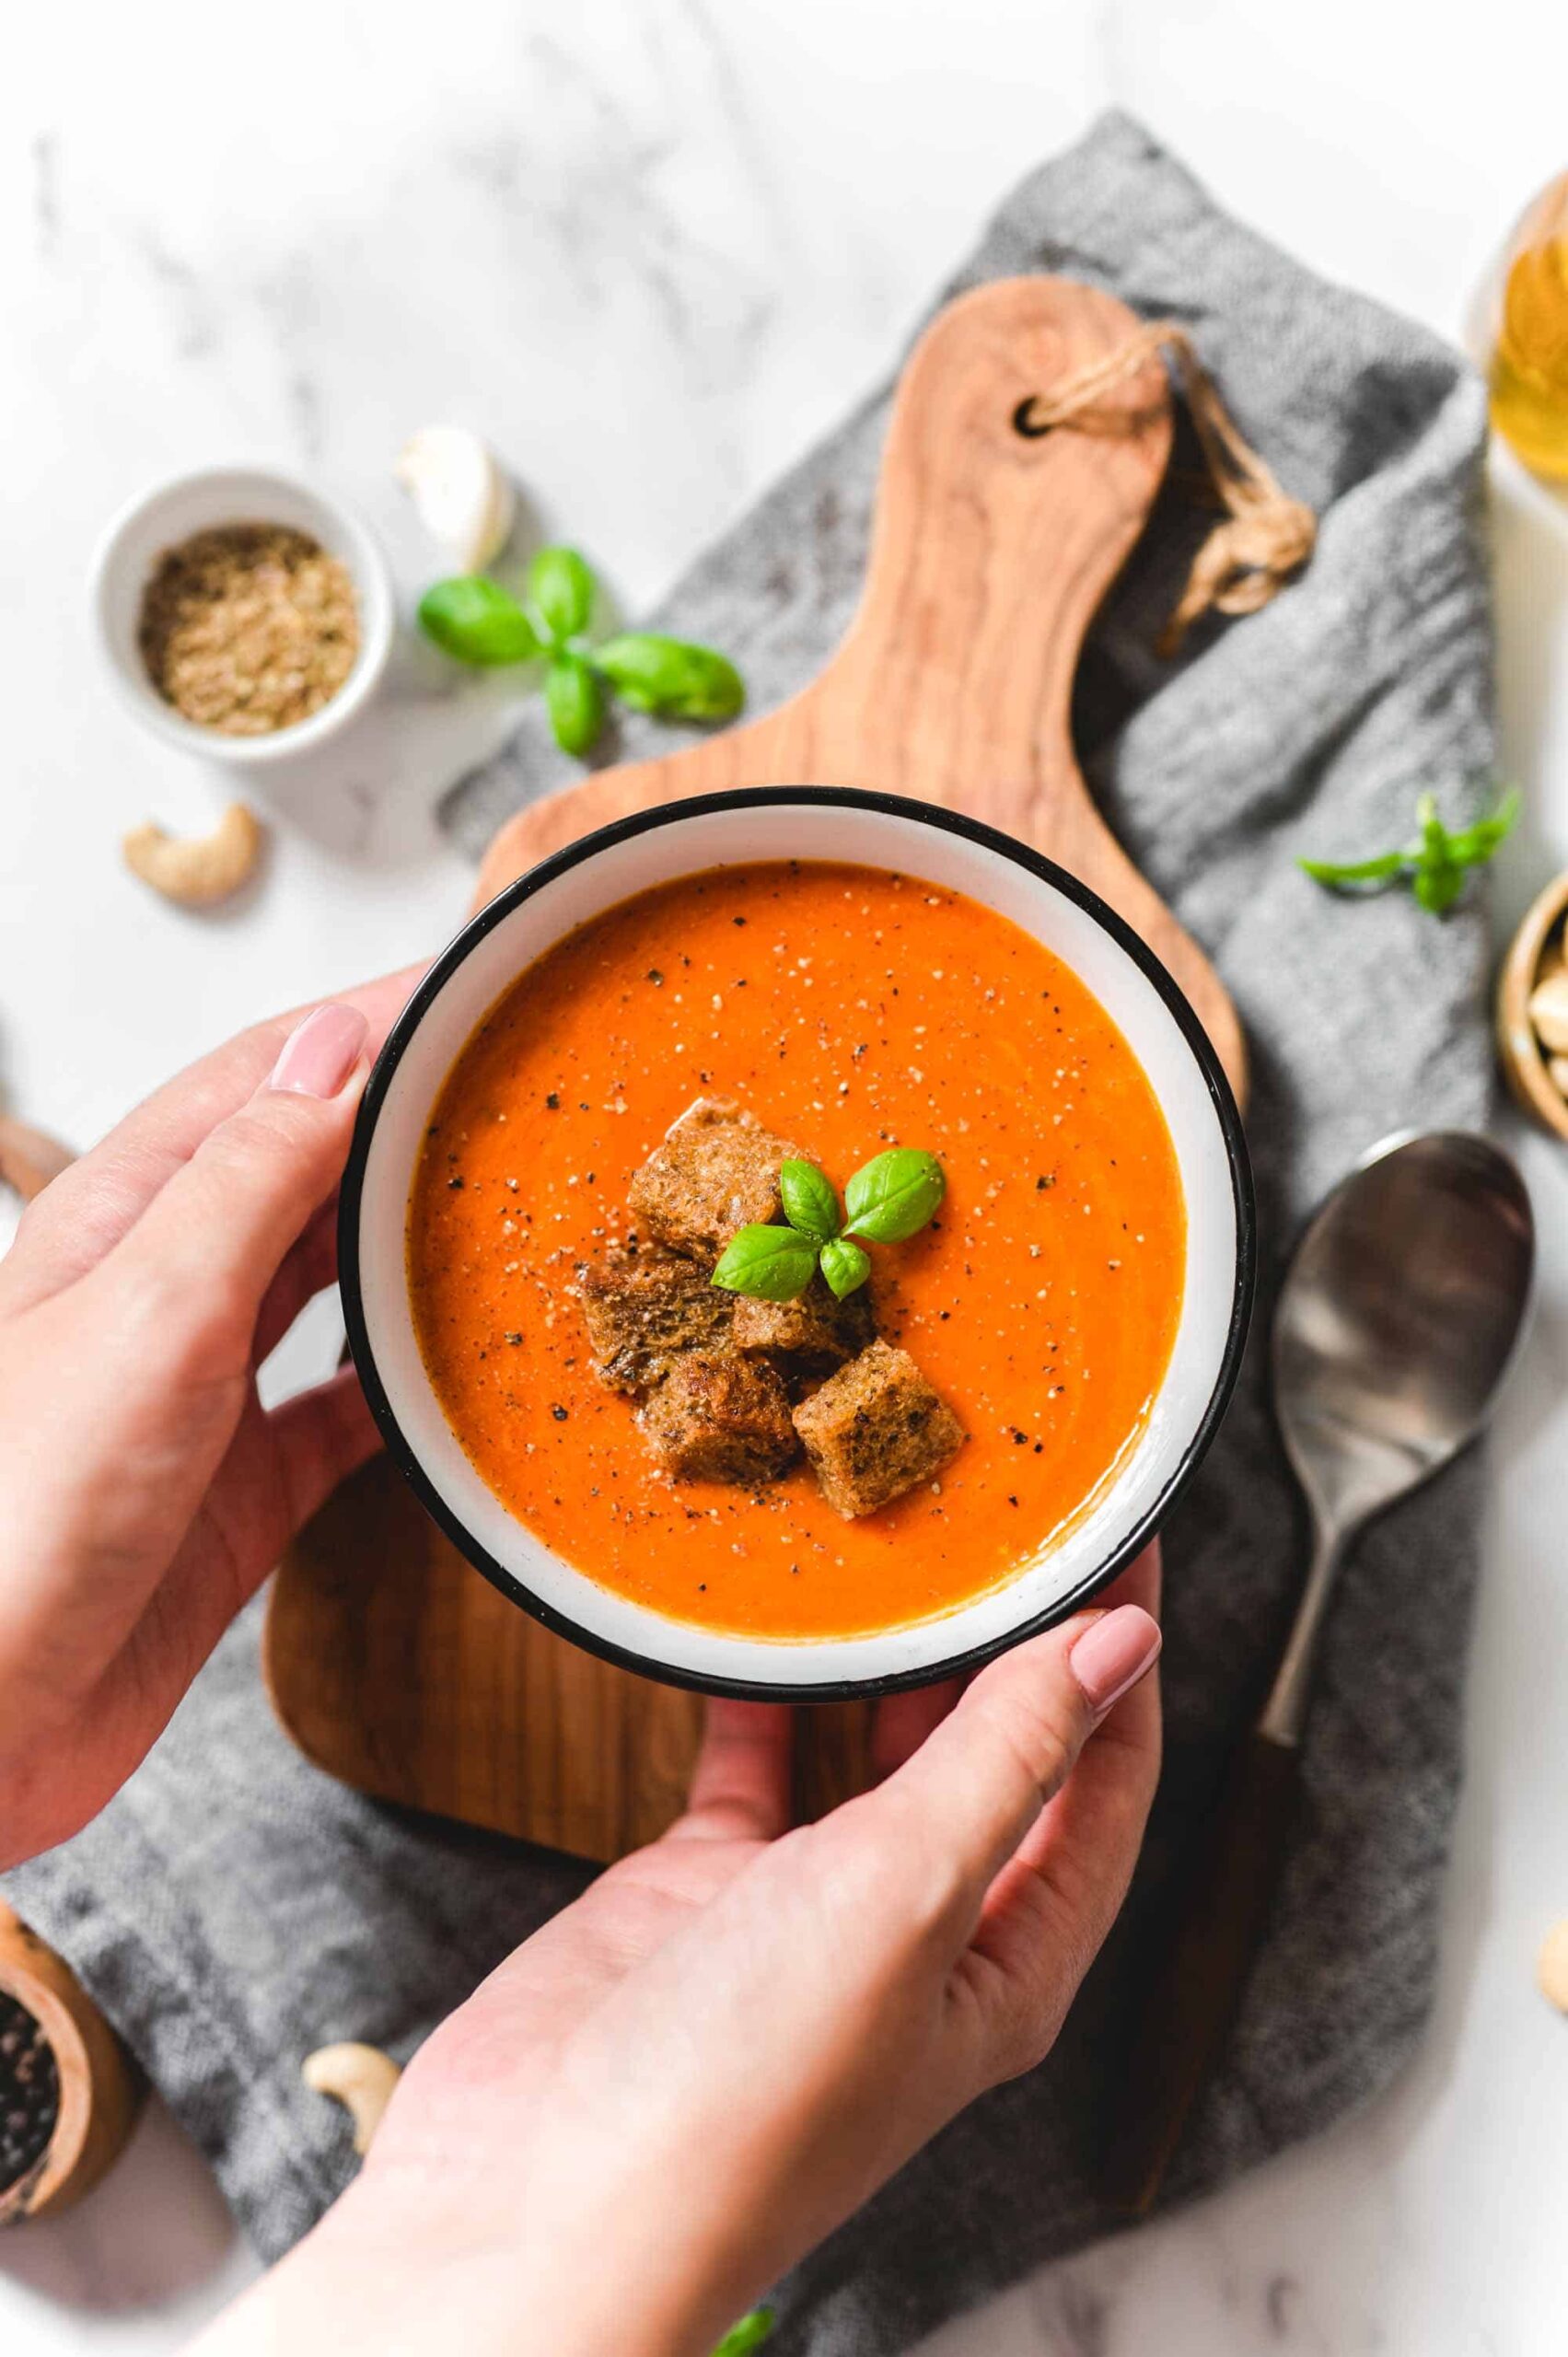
[28,1159]
[195,870]
[359,2077]
[1551,1967]
[1548,1011]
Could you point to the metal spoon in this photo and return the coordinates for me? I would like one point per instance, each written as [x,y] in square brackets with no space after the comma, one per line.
[1395,1325]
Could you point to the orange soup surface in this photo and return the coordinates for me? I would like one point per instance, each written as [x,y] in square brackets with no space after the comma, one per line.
[850,1010]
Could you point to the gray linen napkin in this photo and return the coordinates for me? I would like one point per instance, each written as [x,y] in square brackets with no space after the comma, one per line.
[233,1908]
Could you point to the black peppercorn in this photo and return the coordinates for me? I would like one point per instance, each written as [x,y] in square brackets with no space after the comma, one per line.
[29,2094]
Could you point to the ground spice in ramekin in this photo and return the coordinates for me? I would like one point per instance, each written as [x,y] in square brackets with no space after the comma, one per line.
[249,628]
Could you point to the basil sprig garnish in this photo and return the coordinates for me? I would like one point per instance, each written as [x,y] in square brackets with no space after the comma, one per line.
[1434,865]
[809,1202]
[477,622]
[845,1266]
[769,1263]
[892,1198]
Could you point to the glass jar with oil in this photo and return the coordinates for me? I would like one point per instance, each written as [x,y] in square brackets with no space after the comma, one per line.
[1527,368]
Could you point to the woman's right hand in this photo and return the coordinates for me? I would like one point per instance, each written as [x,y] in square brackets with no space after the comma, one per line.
[689,2077]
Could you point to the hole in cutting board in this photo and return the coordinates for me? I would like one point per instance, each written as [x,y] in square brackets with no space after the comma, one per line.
[1026,423]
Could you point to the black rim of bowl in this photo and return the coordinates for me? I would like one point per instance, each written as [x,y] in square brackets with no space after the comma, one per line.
[495,911]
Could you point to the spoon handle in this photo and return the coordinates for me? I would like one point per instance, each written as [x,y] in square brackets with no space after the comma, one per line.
[1224,1913]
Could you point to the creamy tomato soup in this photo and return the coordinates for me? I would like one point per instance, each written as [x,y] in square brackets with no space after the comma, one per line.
[849,1010]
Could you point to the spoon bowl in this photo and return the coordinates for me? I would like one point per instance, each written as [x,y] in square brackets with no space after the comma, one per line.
[1399,1317]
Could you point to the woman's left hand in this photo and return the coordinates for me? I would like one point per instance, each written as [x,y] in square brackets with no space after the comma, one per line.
[145,1491]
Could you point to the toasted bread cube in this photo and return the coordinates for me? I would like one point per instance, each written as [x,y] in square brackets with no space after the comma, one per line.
[645,1310]
[717,1170]
[719,1418]
[811,1335]
[874,1429]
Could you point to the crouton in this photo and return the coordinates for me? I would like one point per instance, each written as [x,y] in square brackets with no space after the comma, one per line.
[811,1335]
[874,1429]
[645,1310]
[719,1418]
[717,1170]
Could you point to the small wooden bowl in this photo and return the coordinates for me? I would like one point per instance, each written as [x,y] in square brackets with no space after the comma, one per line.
[100,2090]
[1516,1043]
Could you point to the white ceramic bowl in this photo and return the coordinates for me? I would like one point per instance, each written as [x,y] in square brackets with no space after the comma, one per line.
[813,823]
[199,502]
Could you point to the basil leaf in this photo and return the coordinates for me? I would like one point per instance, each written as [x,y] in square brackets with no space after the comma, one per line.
[844,1265]
[562,587]
[575,701]
[1437,884]
[894,1196]
[667,677]
[1435,864]
[477,622]
[1476,844]
[809,1202]
[769,1263]
[748,2334]
[1337,873]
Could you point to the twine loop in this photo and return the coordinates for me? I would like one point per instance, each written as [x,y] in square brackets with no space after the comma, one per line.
[1265,535]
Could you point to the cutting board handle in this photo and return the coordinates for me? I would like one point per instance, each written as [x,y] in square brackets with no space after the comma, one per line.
[992,546]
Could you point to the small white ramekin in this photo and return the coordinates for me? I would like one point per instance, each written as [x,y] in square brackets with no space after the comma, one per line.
[162,517]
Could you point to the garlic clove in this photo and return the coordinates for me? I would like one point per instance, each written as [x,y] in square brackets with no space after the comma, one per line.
[462,493]
[1548,1011]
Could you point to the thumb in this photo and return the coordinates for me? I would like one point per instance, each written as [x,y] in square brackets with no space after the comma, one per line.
[946,1822]
[200,1259]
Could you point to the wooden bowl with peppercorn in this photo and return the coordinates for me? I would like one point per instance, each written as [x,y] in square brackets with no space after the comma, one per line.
[244,614]
[69,2094]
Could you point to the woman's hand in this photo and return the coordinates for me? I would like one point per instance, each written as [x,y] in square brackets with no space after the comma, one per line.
[676,2088]
[143,1492]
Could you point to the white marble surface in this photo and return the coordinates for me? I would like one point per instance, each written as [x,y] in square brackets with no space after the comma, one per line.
[651,248]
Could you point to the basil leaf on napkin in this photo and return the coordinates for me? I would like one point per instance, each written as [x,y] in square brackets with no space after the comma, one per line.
[477,622]
[671,678]
[575,701]
[560,586]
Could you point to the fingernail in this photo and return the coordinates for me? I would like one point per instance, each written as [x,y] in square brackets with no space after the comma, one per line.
[1114,1653]
[320,1053]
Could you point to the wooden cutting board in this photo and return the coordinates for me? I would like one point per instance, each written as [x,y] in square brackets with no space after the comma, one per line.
[391,1662]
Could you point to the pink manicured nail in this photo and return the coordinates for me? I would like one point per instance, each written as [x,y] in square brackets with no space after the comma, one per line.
[321,1052]
[1114,1653]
